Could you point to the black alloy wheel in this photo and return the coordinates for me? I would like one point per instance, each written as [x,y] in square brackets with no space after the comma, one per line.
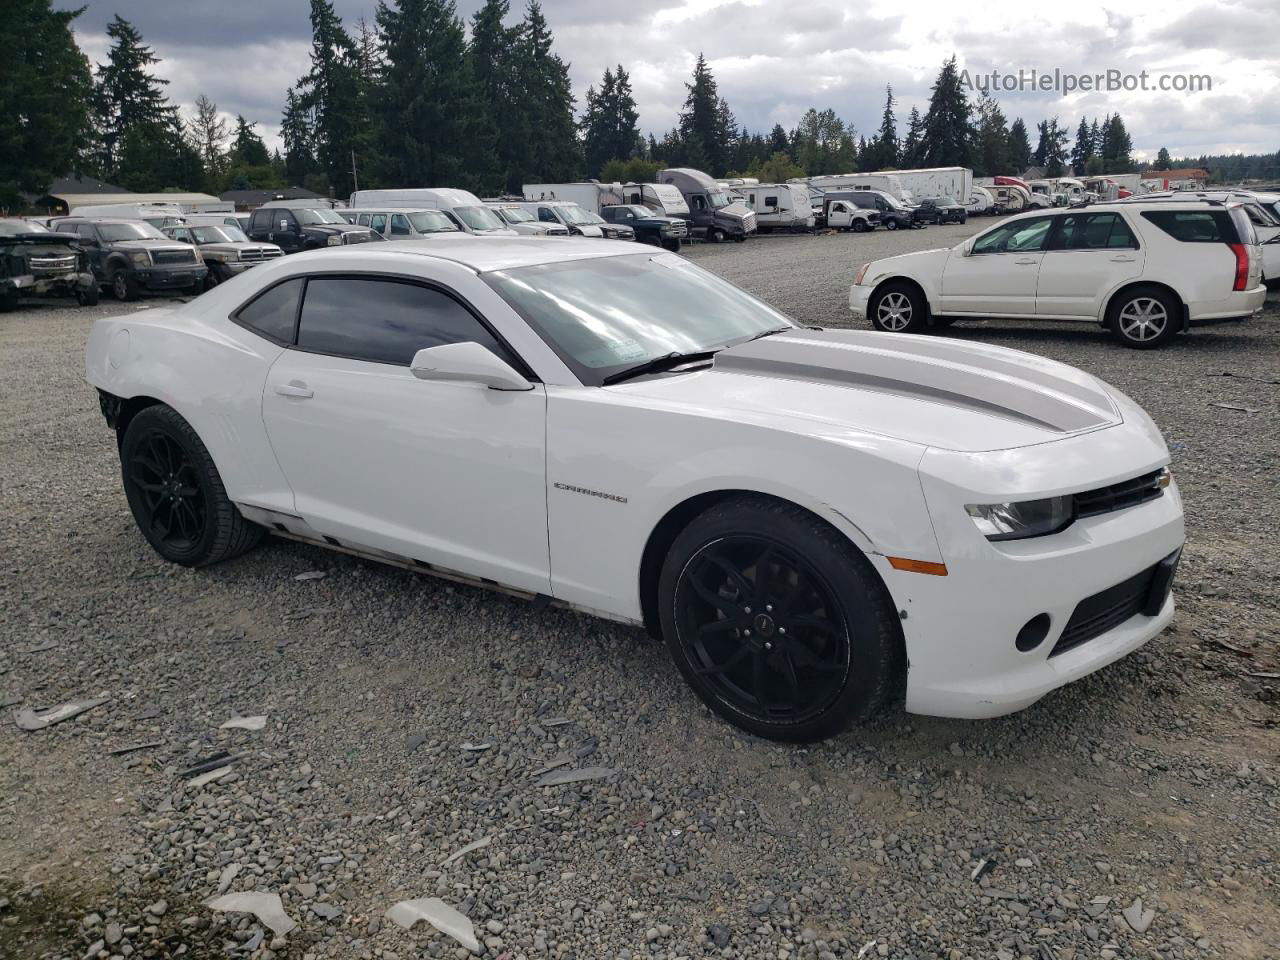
[174,508]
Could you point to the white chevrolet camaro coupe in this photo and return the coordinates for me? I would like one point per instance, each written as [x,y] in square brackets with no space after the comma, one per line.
[815,521]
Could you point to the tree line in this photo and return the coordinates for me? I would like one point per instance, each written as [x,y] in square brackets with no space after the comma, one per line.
[420,97]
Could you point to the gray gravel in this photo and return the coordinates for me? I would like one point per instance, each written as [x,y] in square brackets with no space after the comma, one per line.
[1030,836]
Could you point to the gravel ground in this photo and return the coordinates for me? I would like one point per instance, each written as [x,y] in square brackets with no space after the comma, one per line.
[1032,836]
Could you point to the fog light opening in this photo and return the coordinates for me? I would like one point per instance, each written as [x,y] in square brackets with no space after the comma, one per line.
[1032,633]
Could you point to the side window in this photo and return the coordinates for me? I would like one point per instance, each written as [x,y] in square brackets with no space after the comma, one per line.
[85,231]
[1093,231]
[384,321]
[1194,226]
[349,217]
[378,222]
[1020,236]
[400,226]
[261,220]
[699,203]
[363,220]
[769,202]
[545,215]
[274,312]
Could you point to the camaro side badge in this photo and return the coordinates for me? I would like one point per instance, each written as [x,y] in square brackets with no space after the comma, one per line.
[591,493]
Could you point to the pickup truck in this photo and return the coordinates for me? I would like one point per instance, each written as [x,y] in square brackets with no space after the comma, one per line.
[649,227]
[35,262]
[130,256]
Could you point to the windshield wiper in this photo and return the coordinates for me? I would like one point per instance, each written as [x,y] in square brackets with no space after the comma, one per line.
[667,361]
[767,333]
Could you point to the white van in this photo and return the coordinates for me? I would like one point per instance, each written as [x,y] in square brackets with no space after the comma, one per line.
[159,215]
[462,206]
[778,206]
[402,223]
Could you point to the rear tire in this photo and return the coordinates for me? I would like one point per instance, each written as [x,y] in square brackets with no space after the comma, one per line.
[176,494]
[777,622]
[88,296]
[898,307]
[715,235]
[1144,318]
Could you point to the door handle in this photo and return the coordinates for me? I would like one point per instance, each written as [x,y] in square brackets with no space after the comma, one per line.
[1025,261]
[295,388]
[1123,259]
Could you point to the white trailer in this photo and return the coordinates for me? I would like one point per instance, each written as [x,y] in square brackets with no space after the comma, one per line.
[661,198]
[953,182]
[884,182]
[778,206]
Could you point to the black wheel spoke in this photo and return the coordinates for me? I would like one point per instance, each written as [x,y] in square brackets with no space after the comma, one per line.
[793,682]
[811,622]
[163,477]
[725,605]
[743,652]
[745,590]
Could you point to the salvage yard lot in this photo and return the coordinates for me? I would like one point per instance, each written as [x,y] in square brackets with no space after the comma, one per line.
[1154,779]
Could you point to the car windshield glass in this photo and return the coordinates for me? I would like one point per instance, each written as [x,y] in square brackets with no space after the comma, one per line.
[113,232]
[13,228]
[430,221]
[214,234]
[607,314]
[479,218]
[573,214]
[516,215]
[720,199]
[592,217]
[310,217]
[640,213]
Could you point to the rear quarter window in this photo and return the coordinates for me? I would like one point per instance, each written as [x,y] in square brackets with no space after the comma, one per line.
[274,312]
[1195,226]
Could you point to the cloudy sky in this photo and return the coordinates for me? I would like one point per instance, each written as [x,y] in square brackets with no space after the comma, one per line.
[775,58]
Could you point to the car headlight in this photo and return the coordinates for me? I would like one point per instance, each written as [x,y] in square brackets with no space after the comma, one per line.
[1022,519]
[141,258]
[862,272]
[335,240]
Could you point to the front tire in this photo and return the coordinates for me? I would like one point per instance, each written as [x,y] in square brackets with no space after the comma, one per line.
[891,225]
[779,624]
[124,286]
[1144,317]
[859,226]
[898,308]
[176,494]
[715,235]
[88,296]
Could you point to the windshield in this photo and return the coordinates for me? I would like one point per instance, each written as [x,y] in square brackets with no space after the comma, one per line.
[719,199]
[129,231]
[607,314]
[640,213]
[432,221]
[573,214]
[479,218]
[218,235]
[13,228]
[516,215]
[310,217]
[593,217]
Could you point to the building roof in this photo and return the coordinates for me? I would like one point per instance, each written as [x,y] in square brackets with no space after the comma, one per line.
[73,200]
[260,197]
[81,186]
[1186,173]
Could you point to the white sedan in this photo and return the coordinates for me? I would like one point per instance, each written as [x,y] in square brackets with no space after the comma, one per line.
[815,521]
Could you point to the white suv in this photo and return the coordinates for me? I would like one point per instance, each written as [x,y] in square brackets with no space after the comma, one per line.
[1145,271]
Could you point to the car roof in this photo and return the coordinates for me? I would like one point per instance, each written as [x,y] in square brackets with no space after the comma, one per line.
[486,254]
[103,219]
[388,208]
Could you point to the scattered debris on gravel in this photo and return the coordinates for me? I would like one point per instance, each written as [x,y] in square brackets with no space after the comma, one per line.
[548,778]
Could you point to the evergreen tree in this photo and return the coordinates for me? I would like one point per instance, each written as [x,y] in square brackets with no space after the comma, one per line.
[493,56]
[1051,148]
[708,130]
[296,133]
[778,142]
[992,153]
[946,124]
[1162,160]
[209,135]
[1084,148]
[247,148]
[911,152]
[331,92]
[1095,137]
[128,100]
[45,88]
[159,157]
[430,130]
[822,143]
[777,168]
[1019,147]
[1116,148]
[546,97]
[885,147]
[609,125]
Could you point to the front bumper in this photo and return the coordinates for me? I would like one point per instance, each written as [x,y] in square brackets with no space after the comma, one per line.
[961,629]
[155,278]
[61,284]
[858,297]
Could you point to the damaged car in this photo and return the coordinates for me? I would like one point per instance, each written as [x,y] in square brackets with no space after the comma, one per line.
[36,262]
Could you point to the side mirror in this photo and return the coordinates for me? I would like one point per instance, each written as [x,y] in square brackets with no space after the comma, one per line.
[966,248]
[466,363]
[284,226]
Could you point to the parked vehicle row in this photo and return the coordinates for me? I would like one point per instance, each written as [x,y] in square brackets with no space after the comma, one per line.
[129,256]
[37,262]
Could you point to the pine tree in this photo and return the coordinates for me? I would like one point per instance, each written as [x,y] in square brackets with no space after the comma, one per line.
[1083,150]
[331,92]
[1115,148]
[209,135]
[431,130]
[1051,148]
[129,101]
[296,133]
[886,148]
[911,152]
[609,125]
[991,144]
[247,148]
[493,56]
[1019,147]
[708,130]
[778,142]
[947,131]
[552,152]
[45,88]
[1163,162]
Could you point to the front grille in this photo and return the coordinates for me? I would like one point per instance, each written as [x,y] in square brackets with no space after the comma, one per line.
[1143,593]
[361,236]
[42,266]
[1119,496]
[749,222]
[162,257]
[255,254]
[678,230]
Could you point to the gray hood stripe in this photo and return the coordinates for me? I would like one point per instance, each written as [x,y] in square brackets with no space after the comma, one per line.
[847,378]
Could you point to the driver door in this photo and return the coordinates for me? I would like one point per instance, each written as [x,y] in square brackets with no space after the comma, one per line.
[998,276]
[450,474]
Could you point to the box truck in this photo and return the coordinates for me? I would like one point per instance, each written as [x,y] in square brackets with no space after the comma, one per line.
[933,182]
[712,212]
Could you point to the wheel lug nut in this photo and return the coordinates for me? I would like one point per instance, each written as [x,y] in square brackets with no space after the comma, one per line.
[746,633]
[768,646]
[768,608]
[782,631]
[746,609]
